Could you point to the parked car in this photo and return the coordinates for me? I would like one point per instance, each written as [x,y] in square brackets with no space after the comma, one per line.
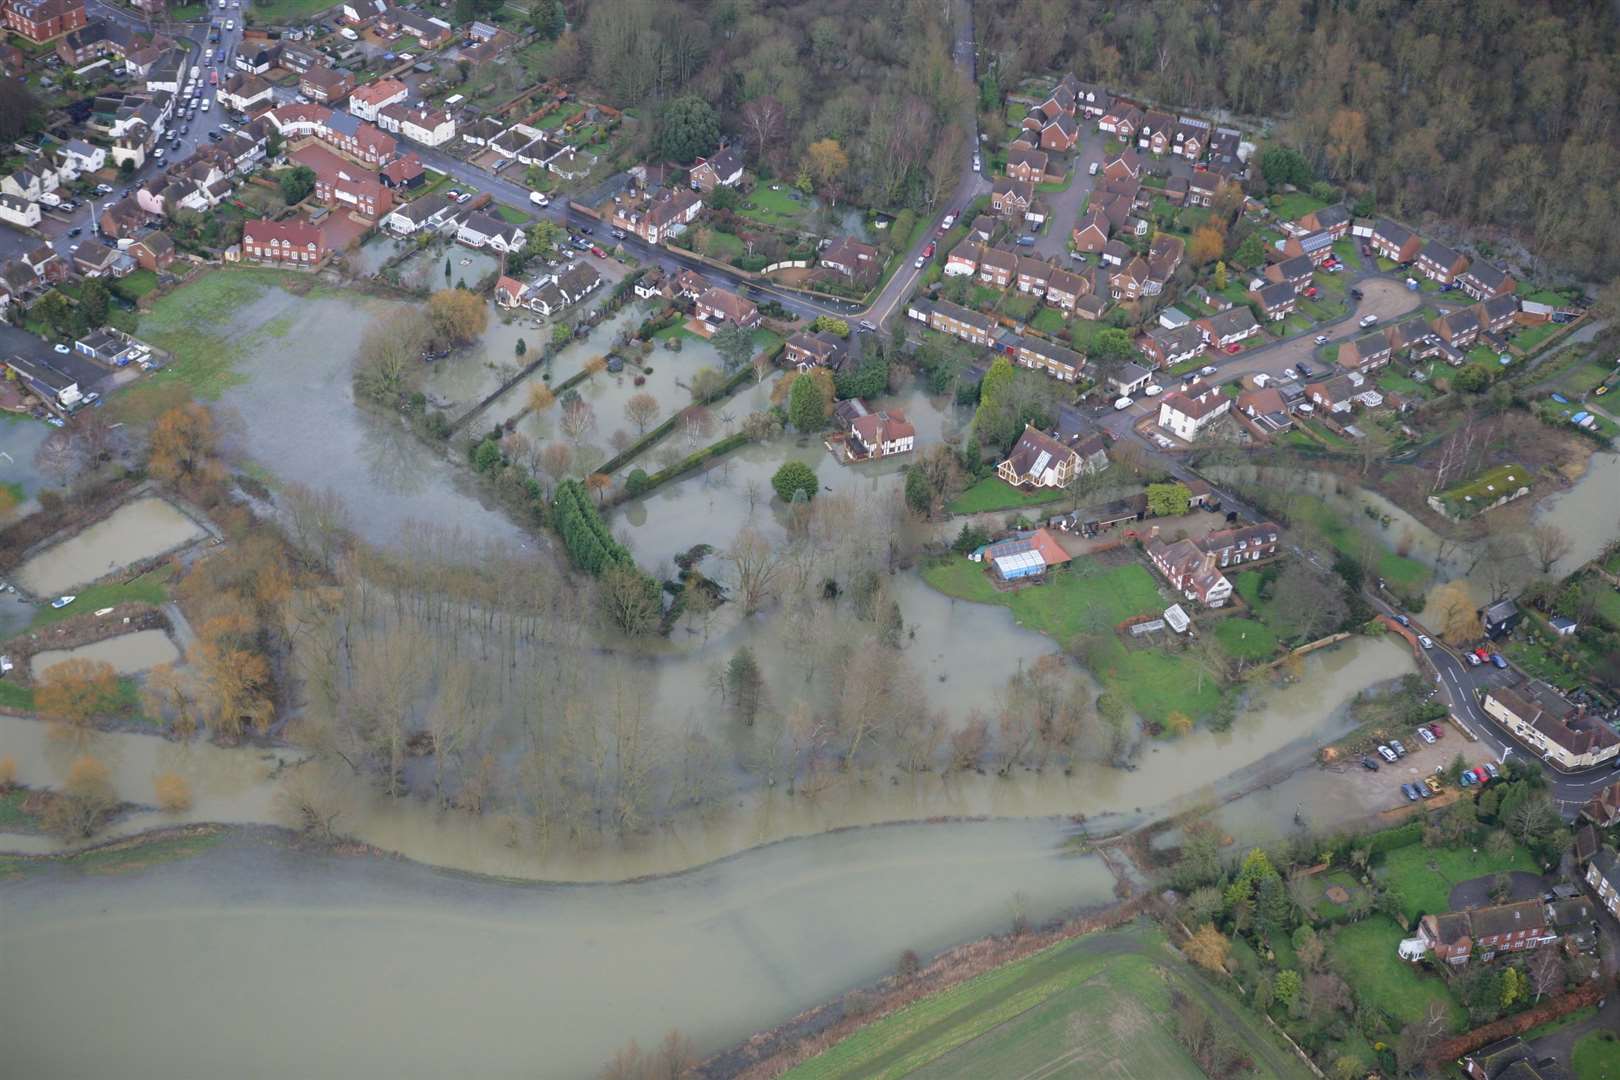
[1093,170]
[1426,735]
[868,326]
[1395,745]
[1410,792]
[1355,294]
[1481,652]
[1207,370]
[1369,320]
[1498,662]
[1234,348]
[1311,291]
[919,263]
[1438,731]
[1426,641]
[1473,661]
[598,252]
[1321,339]
[1152,389]
[1369,763]
[975,162]
[1423,790]
[1433,783]
[1122,403]
[1403,620]
[1467,778]
[1386,753]
[618,233]
[1026,241]
[1491,770]
[1479,774]
[1304,369]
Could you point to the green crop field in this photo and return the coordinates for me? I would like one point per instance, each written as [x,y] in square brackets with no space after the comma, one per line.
[1096,1007]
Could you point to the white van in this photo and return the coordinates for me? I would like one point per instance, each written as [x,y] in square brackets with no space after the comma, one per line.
[1123,403]
[538,199]
[349,33]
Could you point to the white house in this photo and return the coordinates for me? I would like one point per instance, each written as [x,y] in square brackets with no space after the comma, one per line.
[18,211]
[430,212]
[1186,416]
[369,100]
[420,123]
[482,230]
[84,157]
[1552,726]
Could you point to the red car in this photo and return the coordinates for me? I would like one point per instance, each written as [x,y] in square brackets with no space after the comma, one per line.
[928,252]
[1234,348]
[1483,655]
[1437,731]
[1330,261]
[1310,291]
[598,252]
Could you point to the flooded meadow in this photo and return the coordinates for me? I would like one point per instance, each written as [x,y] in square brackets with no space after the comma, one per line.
[127,653]
[137,531]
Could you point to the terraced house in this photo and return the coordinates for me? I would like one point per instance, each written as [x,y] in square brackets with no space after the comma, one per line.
[953,319]
[1455,937]
[1437,262]
[1062,364]
[1483,280]
[1554,727]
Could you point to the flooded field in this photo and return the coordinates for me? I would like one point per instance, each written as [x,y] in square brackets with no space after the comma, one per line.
[127,653]
[300,422]
[205,967]
[142,529]
[1589,512]
[20,439]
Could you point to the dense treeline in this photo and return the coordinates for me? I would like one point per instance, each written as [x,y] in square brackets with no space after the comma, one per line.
[1493,111]
[584,533]
[874,79]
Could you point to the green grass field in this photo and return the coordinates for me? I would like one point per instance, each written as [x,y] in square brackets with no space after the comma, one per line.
[1365,953]
[1294,205]
[1081,1009]
[148,588]
[1596,1056]
[1048,320]
[776,208]
[15,696]
[1533,337]
[1403,574]
[1425,876]
[992,493]
[1245,639]
[1086,599]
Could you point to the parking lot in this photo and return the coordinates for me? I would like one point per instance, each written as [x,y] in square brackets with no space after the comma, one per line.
[1381,790]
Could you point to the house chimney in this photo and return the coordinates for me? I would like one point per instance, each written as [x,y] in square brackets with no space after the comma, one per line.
[1209,562]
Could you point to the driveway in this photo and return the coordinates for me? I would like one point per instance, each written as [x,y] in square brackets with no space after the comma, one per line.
[1476,892]
[1063,207]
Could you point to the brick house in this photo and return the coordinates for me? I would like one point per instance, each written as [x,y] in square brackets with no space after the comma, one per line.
[1496,314]
[1062,364]
[1369,352]
[878,434]
[154,251]
[851,258]
[1060,134]
[1012,198]
[1192,138]
[1171,346]
[1333,220]
[1190,571]
[1457,935]
[805,350]
[1064,288]
[325,85]
[997,267]
[953,319]
[1157,133]
[1395,242]
[1483,280]
[1439,263]
[1028,165]
[1277,299]
[283,243]
[1033,274]
[1130,281]
[724,169]
[1091,235]
[719,306]
[1603,875]
[1201,188]
[1459,329]
[1229,327]
[41,20]
[655,217]
[1122,119]
[963,261]
[1296,271]
[1316,246]
[1126,165]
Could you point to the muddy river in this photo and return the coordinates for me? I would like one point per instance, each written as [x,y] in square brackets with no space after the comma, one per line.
[142,529]
[127,653]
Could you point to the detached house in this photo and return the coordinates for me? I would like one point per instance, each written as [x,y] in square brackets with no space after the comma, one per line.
[1266,409]
[1039,460]
[1125,165]
[879,434]
[1439,263]
[1027,165]
[1123,119]
[1012,198]
[1190,572]
[716,307]
[852,259]
[1130,281]
[1482,280]
[15,210]
[1201,187]
[1456,936]
[482,230]
[1090,100]
[1229,327]
[805,350]
[1156,134]
[1296,271]
[655,217]
[1192,137]
[724,169]
[1186,416]
[1091,235]
[325,85]
[1277,299]
[244,92]
[1060,134]
[1064,288]
[1395,242]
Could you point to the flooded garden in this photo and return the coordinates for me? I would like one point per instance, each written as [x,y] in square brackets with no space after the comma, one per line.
[127,653]
[133,533]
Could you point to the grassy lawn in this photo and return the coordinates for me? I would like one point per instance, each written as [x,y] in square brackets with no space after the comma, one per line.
[14,696]
[1348,252]
[280,12]
[1245,639]
[775,208]
[1541,664]
[1048,320]
[11,811]
[1485,489]
[1087,599]
[1026,1018]
[1295,205]
[1393,380]
[1596,1056]
[1330,439]
[1425,876]
[511,215]
[983,297]
[992,493]
[1585,376]
[1531,338]
[136,285]
[1365,953]
[724,246]
[148,588]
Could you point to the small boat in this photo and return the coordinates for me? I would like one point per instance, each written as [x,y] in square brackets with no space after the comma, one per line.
[63,601]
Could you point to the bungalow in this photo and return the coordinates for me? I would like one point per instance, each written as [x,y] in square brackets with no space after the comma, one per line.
[1186,416]
[1039,460]
[482,230]
[1130,378]
[997,267]
[806,350]
[1027,165]
[1496,313]
[1190,571]
[653,283]
[719,306]
[430,212]
[1267,409]
[1369,352]
[1166,347]
[1060,134]
[1459,329]
[1395,242]
[1603,875]
[878,434]
[1229,327]
[1033,274]
[1552,726]
[482,131]
[1334,220]
[1064,288]
[851,258]
[54,387]
[1483,280]
[1296,271]
[724,169]
[1277,299]
[963,261]
[284,243]
[570,163]
[1125,165]
[1062,364]
[1192,137]
[1439,263]
[367,102]
[429,33]
[105,346]
[1012,198]
[1455,936]
[1157,133]
[1091,235]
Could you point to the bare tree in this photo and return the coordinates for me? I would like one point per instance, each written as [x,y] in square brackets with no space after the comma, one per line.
[1551,545]
[578,419]
[641,410]
[757,568]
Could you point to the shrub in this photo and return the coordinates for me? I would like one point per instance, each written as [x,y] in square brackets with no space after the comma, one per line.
[637,482]
[792,478]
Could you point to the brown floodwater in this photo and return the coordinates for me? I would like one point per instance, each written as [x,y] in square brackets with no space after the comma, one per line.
[135,531]
[127,653]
